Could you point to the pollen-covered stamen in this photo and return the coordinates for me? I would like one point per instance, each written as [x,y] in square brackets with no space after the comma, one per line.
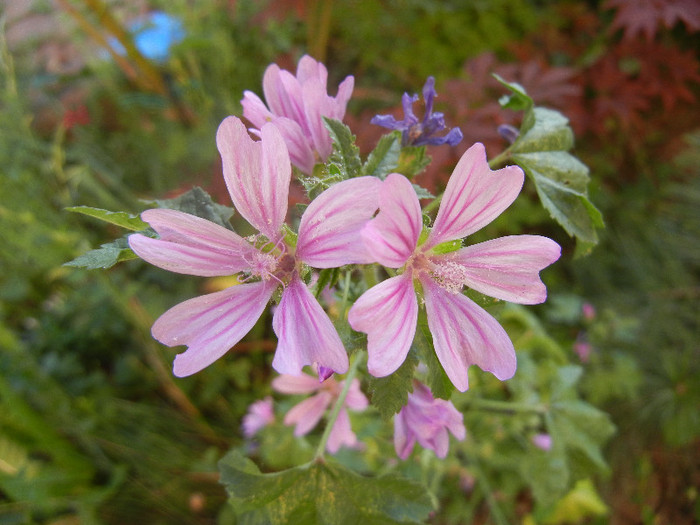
[448,274]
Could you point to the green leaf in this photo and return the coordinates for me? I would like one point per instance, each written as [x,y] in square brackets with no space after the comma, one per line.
[545,130]
[120,218]
[384,159]
[104,257]
[390,394]
[346,155]
[199,203]
[422,193]
[321,493]
[413,160]
[519,100]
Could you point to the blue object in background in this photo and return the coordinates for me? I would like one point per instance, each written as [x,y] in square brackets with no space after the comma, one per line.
[154,34]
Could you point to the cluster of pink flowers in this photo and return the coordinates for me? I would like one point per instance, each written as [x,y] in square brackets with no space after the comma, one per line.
[361,220]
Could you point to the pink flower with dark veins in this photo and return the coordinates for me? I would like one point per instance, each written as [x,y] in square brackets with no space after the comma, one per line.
[306,415]
[257,175]
[434,265]
[297,105]
[426,420]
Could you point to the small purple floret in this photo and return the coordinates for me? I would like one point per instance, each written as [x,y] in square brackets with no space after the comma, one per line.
[416,132]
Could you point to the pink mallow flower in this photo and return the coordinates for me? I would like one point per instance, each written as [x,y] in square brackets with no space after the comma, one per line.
[296,106]
[257,176]
[259,415]
[306,415]
[506,268]
[426,420]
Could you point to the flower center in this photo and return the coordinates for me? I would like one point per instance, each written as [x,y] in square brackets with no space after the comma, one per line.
[449,275]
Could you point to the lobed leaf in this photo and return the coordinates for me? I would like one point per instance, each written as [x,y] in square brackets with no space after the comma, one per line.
[346,155]
[384,158]
[321,493]
[105,256]
[390,394]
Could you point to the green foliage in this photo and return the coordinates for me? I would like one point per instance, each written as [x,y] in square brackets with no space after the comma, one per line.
[199,203]
[390,394]
[321,493]
[118,218]
[346,155]
[384,158]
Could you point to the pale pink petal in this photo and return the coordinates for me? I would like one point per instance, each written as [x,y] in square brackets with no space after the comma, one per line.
[388,314]
[211,324]
[341,433]
[439,442]
[191,245]
[391,237]
[309,69]
[341,99]
[301,384]
[474,196]
[329,231]
[404,438]
[308,413]
[255,109]
[356,400]
[508,268]
[283,94]
[301,153]
[464,334]
[317,104]
[305,333]
[257,174]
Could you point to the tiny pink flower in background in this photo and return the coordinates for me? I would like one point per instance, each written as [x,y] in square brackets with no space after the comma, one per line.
[260,414]
[542,441]
[257,175]
[583,349]
[588,311]
[426,420]
[297,105]
[306,415]
[507,268]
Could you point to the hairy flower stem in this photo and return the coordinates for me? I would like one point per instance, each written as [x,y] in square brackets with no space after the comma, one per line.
[355,361]
[505,406]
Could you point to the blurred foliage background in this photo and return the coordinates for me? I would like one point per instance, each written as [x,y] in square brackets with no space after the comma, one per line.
[94,428]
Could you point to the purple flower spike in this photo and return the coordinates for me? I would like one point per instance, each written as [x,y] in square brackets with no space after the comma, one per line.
[507,268]
[257,175]
[416,132]
[426,420]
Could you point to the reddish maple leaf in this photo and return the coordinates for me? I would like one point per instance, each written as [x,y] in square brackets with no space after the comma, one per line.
[646,16]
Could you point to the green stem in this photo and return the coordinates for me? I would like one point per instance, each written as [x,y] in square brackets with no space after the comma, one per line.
[355,362]
[500,159]
[505,406]
[434,204]
[496,511]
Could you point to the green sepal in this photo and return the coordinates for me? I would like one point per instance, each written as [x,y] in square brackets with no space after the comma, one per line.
[323,493]
[290,236]
[118,218]
[413,160]
[390,394]
[518,100]
[384,159]
[447,247]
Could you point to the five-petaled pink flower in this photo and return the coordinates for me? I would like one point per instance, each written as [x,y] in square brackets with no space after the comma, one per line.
[306,415]
[506,268]
[296,106]
[426,420]
[257,176]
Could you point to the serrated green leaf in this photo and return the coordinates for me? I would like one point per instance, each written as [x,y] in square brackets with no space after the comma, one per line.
[561,181]
[119,218]
[545,130]
[384,159]
[390,394]
[199,203]
[413,160]
[105,256]
[322,493]
[422,193]
[346,155]
[519,100]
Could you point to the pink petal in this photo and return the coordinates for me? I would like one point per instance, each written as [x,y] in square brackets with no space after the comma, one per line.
[305,333]
[508,268]
[464,334]
[356,400]
[474,196]
[257,174]
[341,433]
[309,69]
[211,324]
[282,93]
[317,104]
[387,313]
[308,413]
[301,384]
[391,237]
[330,227]
[191,245]
[301,153]
[255,109]
[404,438]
